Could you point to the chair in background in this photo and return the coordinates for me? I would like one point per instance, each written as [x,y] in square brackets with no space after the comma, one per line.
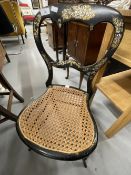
[7,90]
[117,88]
[59,124]
[5,24]
[2,49]
[13,13]
[26,12]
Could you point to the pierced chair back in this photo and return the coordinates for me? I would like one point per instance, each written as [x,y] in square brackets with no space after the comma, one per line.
[59,123]
[90,15]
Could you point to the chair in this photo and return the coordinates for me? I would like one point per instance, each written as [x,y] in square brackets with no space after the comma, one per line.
[59,124]
[14,14]
[3,51]
[8,90]
[26,12]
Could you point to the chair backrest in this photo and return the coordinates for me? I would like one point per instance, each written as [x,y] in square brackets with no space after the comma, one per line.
[5,24]
[89,14]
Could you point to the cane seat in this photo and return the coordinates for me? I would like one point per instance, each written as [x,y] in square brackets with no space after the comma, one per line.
[59,121]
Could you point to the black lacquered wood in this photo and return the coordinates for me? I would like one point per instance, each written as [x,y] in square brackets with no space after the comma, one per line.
[97,14]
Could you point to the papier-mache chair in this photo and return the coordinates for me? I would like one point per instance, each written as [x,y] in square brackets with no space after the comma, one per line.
[59,124]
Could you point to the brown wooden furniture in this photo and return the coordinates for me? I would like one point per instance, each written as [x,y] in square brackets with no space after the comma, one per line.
[117,87]
[51,2]
[9,91]
[84,43]
[55,35]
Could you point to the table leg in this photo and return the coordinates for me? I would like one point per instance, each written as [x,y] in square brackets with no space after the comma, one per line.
[119,123]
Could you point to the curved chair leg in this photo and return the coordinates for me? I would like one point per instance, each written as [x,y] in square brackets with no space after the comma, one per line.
[56,45]
[50,77]
[84,162]
[7,114]
[81,79]
[29,149]
[22,39]
[9,87]
[66,58]
[67,73]
[7,57]
[25,34]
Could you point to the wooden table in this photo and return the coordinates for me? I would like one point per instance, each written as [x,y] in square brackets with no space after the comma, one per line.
[123,53]
[117,87]
[55,36]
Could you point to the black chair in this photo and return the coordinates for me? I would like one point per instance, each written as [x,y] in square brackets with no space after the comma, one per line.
[59,124]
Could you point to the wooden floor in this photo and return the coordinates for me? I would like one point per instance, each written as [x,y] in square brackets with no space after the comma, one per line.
[27,73]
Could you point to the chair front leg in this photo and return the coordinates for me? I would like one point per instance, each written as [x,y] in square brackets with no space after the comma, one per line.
[22,39]
[50,77]
[7,58]
[84,162]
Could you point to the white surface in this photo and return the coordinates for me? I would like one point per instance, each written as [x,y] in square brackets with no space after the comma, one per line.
[120,4]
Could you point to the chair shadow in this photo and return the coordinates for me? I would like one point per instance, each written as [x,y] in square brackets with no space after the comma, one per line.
[18,160]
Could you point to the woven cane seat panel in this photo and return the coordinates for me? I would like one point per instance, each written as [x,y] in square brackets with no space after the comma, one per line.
[58,121]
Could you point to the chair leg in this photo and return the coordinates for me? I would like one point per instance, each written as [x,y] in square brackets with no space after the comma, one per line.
[7,114]
[6,55]
[7,58]
[29,149]
[50,77]
[119,123]
[81,79]
[22,39]
[56,45]
[25,34]
[84,162]
[67,73]
[6,84]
